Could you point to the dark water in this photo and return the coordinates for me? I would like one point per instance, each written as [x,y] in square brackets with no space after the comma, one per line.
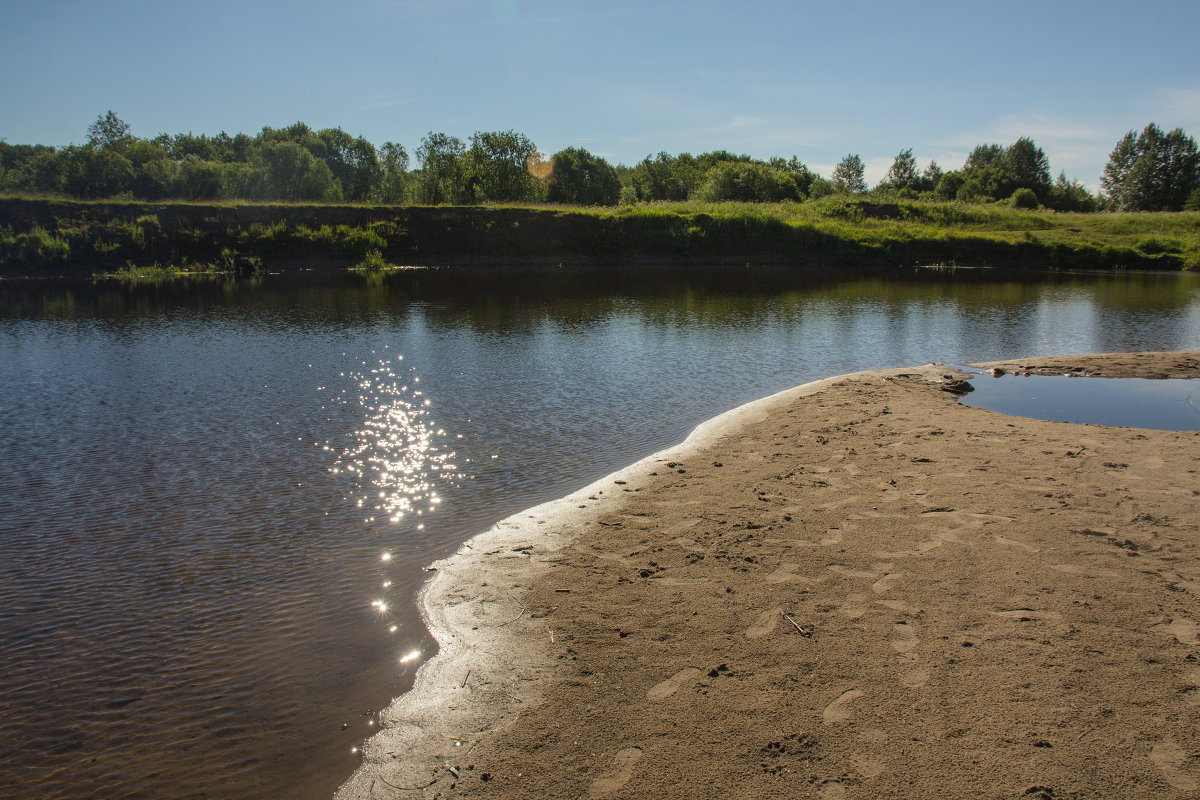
[216,498]
[1167,405]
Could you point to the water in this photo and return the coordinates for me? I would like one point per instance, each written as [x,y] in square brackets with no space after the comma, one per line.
[1168,405]
[216,498]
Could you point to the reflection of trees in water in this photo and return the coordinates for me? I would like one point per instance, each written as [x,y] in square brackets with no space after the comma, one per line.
[500,301]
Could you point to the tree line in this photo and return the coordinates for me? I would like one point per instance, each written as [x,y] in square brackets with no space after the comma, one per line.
[1150,171]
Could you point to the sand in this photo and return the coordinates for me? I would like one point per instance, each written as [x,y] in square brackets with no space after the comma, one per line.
[858,588]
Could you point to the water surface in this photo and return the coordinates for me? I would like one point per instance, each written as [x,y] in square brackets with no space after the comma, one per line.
[216,498]
[1161,404]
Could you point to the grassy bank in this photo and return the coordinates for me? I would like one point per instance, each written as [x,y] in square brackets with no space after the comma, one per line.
[41,236]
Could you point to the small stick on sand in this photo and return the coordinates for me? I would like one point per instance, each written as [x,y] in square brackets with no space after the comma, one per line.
[805,633]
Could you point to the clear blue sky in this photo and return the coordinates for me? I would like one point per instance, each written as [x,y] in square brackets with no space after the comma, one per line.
[623,79]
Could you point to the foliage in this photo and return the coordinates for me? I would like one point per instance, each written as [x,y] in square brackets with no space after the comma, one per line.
[1026,167]
[440,178]
[108,130]
[1153,171]
[903,172]
[849,174]
[1024,198]
[580,178]
[850,229]
[495,169]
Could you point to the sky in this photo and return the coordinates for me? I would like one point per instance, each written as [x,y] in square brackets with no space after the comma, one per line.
[623,79]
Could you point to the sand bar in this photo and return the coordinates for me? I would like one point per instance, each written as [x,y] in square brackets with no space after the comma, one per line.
[855,588]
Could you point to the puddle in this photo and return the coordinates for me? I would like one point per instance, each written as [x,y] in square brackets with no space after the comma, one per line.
[1170,405]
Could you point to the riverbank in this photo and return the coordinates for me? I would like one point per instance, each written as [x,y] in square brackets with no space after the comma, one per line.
[855,588]
[54,237]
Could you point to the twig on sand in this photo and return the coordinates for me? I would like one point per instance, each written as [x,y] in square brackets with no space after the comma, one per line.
[803,632]
[432,781]
[464,683]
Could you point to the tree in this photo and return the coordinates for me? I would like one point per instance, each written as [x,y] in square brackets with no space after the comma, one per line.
[931,177]
[984,156]
[1153,171]
[393,173]
[108,130]
[1027,167]
[903,172]
[849,174]
[665,178]
[747,181]
[579,177]
[441,176]
[93,173]
[353,161]
[1068,195]
[496,167]
[289,172]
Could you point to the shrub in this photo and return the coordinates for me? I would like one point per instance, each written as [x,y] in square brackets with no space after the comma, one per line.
[1024,198]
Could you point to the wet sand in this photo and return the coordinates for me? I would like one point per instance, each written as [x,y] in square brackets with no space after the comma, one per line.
[856,588]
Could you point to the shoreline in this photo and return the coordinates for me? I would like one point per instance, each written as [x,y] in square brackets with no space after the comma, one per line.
[521,611]
[474,636]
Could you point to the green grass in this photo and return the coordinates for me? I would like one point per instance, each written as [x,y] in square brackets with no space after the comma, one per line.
[46,234]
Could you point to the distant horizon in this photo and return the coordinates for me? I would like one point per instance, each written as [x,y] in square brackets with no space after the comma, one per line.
[624,81]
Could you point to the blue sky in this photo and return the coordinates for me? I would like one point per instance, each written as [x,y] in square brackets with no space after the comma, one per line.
[623,79]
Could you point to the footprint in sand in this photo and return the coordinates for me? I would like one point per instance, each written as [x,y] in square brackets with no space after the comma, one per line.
[837,711]
[832,536]
[765,623]
[884,584]
[1184,630]
[1171,761]
[854,606]
[833,790]
[915,678]
[784,575]
[867,766]
[850,572]
[904,638]
[899,605]
[619,774]
[672,684]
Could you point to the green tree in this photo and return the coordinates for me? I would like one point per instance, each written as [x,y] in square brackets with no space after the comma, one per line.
[1153,171]
[497,166]
[94,173]
[849,174]
[441,176]
[931,177]
[665,178]
[903,172]
[289,172]
[747,181]
[108,130]
[154,173]
[352,160]
[393,174]
[1068,195]
[581,178]
[948,185]
[984,156]
[797,172]
[1027,167]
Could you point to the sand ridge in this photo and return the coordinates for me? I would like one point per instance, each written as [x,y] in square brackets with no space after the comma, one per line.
[859,588]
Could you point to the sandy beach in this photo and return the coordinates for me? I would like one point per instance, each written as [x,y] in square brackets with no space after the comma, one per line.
[858,588]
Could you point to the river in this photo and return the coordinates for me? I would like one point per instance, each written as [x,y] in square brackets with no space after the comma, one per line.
[217,496]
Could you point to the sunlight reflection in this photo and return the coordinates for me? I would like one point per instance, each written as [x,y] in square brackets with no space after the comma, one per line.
[395,457]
